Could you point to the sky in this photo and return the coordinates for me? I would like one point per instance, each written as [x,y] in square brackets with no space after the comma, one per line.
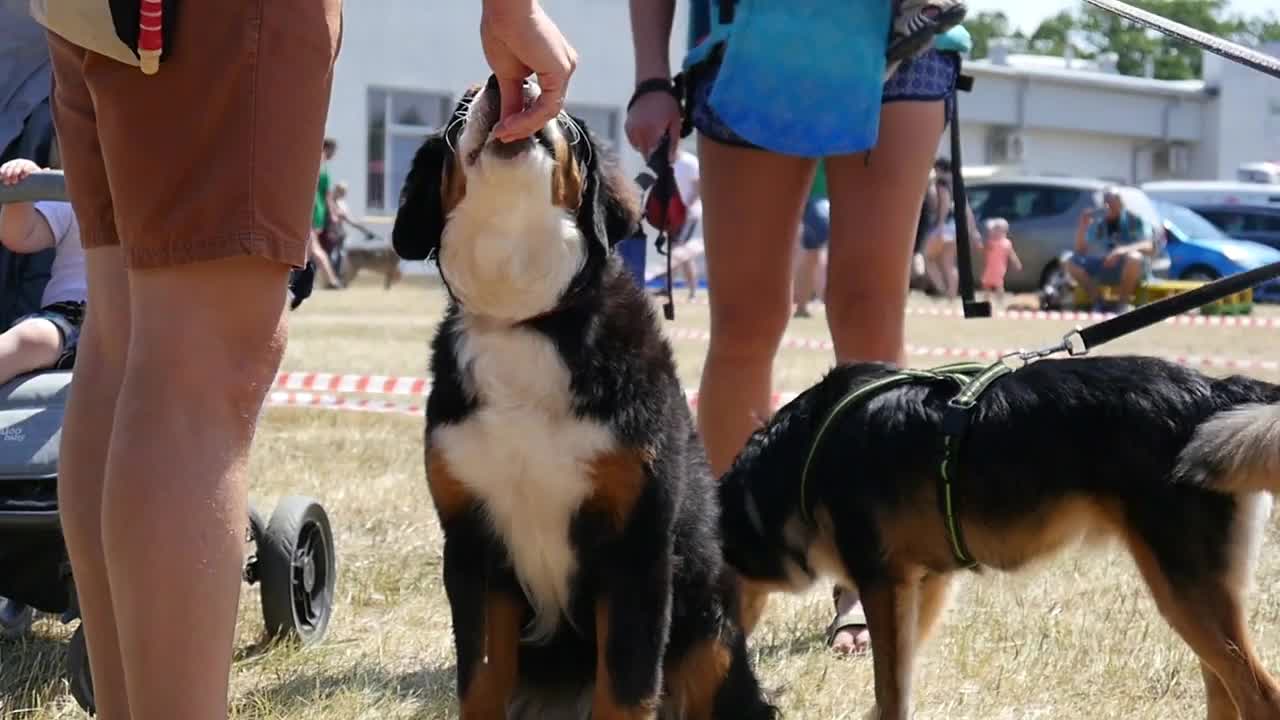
[1028,14]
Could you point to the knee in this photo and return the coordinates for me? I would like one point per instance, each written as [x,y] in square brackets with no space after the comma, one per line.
[36,339]
[748,332]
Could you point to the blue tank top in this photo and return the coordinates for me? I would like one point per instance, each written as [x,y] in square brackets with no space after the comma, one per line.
[803,77]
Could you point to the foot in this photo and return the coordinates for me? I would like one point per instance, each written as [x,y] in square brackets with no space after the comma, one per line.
[802,311]
[848,634]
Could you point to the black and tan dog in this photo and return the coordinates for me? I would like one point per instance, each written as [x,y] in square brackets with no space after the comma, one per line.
[582,558]
[1178,466]
[374,258]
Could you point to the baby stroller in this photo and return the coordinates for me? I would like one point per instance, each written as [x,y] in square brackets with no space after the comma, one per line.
[290,555]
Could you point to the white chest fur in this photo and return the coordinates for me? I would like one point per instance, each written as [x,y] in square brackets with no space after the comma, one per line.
[525,456]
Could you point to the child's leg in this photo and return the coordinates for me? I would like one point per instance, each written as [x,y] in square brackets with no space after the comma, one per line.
[31,344]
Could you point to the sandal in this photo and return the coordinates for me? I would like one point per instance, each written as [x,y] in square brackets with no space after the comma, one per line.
[853,620]
[915,24]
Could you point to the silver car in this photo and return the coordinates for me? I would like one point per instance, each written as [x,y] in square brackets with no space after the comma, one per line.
[1043,215]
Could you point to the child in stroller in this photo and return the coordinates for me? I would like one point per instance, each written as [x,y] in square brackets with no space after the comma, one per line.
[45,339]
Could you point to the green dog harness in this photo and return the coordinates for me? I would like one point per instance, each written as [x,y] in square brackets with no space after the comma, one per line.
[970,379]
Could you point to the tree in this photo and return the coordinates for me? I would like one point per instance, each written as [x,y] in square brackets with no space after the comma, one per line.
[987,26]
[1054,34]
[1091,31]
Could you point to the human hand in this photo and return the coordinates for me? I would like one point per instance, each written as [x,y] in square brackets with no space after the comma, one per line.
[1086,216]
[652,115]
[519,39]
[1112,258]
[15,171]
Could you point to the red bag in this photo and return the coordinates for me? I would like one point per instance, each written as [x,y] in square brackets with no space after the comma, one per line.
[676,211]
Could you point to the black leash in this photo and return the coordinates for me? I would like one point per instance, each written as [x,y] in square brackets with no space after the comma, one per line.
[1155,312]
[960,202]
[662,188]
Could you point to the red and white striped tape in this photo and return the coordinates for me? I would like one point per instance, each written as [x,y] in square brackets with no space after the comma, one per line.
[1186,320]
[329,382]
[1196,361]
[285,398]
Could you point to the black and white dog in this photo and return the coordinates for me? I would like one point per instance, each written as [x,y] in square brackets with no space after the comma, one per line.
[582,557]
[1178,466]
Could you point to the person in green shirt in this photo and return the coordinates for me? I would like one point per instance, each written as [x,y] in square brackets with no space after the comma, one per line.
[815,229]
[321,211]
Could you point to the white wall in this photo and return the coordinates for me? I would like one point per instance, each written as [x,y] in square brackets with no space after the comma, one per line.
[435,46]
[1246,122]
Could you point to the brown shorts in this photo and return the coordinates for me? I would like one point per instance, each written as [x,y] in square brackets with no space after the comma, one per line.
[215,156]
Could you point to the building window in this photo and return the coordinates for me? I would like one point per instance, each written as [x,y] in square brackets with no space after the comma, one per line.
[398,122]
[599,119]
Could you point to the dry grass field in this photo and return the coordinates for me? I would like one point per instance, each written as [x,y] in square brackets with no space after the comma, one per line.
[1075,638]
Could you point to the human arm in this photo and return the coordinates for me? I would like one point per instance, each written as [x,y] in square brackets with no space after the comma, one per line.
[22,228]
[1144,245]
[519,39]
[1082,232]
[1013,257]
[653,113]
[975,234]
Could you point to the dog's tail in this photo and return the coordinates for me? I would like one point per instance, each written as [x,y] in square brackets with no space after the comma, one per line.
[1235,451]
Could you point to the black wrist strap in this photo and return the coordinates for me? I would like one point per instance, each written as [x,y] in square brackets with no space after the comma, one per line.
[654,85]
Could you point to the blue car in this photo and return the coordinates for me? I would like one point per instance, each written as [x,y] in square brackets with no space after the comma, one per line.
[1198,250]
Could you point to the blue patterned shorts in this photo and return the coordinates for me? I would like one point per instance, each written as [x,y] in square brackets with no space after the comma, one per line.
[930,77]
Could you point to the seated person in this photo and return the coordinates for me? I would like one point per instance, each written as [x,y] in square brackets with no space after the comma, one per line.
[46,338]
[1112,249]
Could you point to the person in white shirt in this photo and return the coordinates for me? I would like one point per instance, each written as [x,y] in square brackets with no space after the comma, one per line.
[684,252]
[46,338]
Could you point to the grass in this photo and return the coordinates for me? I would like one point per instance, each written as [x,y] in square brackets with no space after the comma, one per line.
[1077,637]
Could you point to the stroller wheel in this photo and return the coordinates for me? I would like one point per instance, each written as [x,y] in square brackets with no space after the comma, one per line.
[15,619]
[297,570]
[78,675]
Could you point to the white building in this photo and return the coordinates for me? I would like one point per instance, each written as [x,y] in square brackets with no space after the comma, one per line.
[404,63]
[1040,115]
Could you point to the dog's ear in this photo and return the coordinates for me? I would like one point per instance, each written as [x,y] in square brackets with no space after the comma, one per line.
[610,209]
[420,218]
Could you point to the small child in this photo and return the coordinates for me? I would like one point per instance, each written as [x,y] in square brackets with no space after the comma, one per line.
[46,338]
[998,251]
[915,24]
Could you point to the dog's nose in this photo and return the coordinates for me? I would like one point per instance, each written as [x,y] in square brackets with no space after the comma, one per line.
[492,85]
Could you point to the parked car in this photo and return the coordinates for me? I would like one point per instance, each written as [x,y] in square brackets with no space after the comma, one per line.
[1043,215]
[1203,193]
[1198,250]
[1244,222]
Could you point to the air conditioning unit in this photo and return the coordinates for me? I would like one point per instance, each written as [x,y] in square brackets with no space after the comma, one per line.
[1171,160]
[1005,147]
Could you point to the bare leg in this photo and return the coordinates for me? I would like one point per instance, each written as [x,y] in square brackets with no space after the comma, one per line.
[82,462]
[1082,279]
[30,345]
[751,206]
[875,209]
[807,280]
[1131,276]
[951,268]
[174,505]
[933,250]
[321,259]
